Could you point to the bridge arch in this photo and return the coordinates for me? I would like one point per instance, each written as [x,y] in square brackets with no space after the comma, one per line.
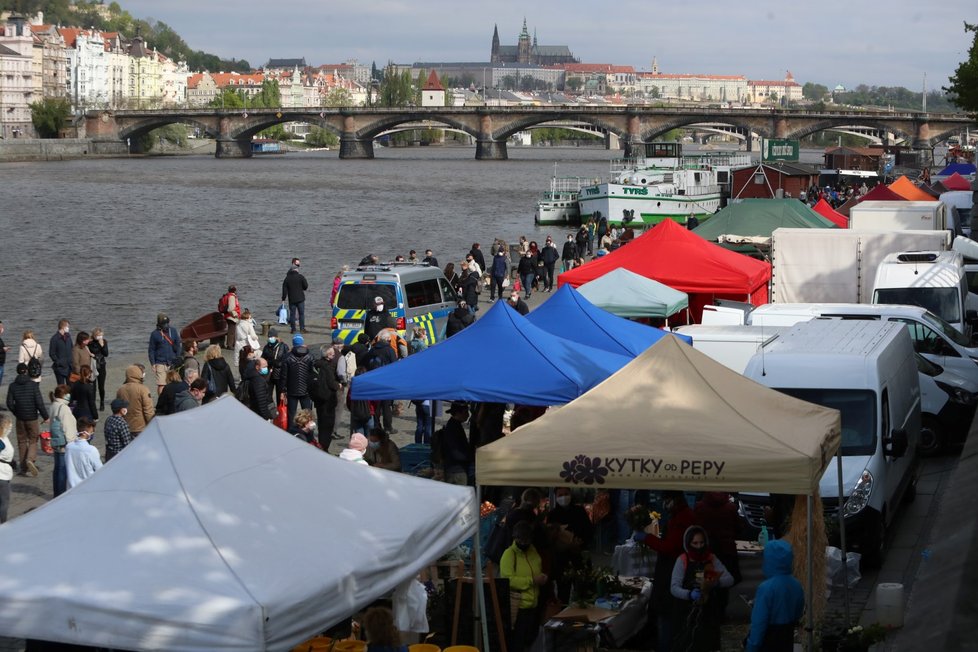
[143,127]
[654,131]
[535,120]
[259,122]
[391,123]
[825,125]
[943,136]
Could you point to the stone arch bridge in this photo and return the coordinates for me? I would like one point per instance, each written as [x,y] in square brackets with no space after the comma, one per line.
[491,126]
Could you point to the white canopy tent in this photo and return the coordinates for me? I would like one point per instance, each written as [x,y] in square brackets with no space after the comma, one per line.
[215,530]
[672,418]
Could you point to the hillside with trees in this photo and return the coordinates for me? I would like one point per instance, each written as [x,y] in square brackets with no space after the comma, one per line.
[112,18]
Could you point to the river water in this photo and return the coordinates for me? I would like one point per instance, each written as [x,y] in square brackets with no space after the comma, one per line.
[111,242]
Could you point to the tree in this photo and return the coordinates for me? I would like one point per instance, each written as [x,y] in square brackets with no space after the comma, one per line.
[964,82]
[814,92]
[396,89]
[320,137]
[228,98]
[50,116]
[337,97]
[269,97]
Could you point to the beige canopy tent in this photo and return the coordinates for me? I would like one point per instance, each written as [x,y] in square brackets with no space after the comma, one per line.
[673,418]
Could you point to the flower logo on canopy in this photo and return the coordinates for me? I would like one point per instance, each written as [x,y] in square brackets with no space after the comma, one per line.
[584,469]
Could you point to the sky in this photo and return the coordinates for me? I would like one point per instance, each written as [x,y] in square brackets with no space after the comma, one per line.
[896,43]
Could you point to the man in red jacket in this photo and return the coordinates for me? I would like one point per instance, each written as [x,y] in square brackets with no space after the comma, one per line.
[668,549]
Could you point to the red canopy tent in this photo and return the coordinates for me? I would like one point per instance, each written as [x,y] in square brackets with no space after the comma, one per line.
[825,209]
[686,262]
[882,193]
[956,182]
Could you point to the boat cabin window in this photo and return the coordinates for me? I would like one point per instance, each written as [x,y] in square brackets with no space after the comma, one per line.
[663,150]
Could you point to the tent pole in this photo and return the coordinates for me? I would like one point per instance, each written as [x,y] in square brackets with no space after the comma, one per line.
[811,579]
[842,541]
[477,590]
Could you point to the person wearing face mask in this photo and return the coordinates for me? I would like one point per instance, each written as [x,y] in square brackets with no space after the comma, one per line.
[274,353]
[81,458]
[60,351]
[571,532]
[522,566]
[117,435]
[695,575]
[569,253]
[668,549]
[377,320]
[304,426]
[255,377]
[381,451]
[64,429]
[136,394]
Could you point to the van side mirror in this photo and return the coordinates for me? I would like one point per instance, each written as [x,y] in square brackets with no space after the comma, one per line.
[897,443]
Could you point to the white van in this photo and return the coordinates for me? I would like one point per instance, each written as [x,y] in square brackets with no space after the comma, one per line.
[947,406]
[867,371]
[932,279]
[932,337]
[731,346]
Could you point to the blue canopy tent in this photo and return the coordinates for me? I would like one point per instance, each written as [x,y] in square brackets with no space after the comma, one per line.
[964,169]
[501,358]
[569,315]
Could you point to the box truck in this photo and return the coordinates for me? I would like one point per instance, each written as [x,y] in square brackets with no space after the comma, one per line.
[898,216]
[838,265]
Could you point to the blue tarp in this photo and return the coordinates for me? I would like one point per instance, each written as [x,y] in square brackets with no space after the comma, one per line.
[964,169]
[501,358]
[569,315]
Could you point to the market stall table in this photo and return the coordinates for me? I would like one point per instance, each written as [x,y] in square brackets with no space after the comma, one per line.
[577,628]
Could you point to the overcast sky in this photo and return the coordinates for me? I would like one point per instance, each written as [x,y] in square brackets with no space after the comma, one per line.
[830,42]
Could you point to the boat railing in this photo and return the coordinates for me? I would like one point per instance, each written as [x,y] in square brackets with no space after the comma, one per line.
[570,184]
[699,161]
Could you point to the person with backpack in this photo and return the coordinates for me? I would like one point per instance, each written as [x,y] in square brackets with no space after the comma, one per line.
[175,384]
[31,355]
[294,379]
[459,319]
[498,272]
[164,349]
[6,465]
[64,429]
[25,402]
[274,353]
[229,306]
[60,351]
[323,389]
[383,353]
[216,373]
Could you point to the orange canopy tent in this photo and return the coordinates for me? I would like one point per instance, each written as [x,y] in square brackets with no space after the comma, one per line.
[906,189]
[825,209]
[684,261]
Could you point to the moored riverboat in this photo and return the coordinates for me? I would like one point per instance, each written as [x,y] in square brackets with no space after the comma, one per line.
[558,206]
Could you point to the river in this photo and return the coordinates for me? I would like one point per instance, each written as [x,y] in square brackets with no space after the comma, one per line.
[111,242]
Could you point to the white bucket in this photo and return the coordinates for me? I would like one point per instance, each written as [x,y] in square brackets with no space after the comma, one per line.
[889,604]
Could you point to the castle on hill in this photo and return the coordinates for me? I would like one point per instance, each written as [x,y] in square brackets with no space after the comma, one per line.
[528,52]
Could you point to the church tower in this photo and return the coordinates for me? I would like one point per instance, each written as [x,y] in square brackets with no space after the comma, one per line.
[523,48]
[494,52]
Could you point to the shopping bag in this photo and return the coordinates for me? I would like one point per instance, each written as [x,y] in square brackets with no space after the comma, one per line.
[282,418]
[46,446]
[283,314]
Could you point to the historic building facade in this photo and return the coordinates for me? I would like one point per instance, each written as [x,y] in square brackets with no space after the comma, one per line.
[528,52]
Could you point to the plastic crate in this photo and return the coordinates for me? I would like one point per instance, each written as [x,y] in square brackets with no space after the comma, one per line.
[415,458]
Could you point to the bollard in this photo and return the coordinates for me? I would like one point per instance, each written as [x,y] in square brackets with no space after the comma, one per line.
[264,328]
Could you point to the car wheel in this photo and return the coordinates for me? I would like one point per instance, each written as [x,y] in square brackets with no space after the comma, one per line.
[873,542]
[931,436]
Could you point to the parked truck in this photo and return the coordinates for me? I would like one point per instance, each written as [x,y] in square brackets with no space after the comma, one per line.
[898,216]
[838,265]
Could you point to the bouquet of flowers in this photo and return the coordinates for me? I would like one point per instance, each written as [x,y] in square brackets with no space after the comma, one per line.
[638,518]
[859,638]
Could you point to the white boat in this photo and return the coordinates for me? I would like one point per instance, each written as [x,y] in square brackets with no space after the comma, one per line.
[558,206]
[663,184]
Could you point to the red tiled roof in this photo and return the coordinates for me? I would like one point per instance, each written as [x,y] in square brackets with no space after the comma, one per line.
[649,75]
[595,67]
[433,84]
[779,82]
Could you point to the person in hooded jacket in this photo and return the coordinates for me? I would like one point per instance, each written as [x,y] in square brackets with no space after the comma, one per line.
[498,273]
[717,513]
[695,576]
[217,373]
[294,379]
[668,549]
[470,290]
[522,566]
[458,319]
[136,394]
[778,603]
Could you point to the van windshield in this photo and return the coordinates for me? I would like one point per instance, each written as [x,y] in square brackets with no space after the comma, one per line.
[943,302]
[355,296]
[944,328]
[858,410]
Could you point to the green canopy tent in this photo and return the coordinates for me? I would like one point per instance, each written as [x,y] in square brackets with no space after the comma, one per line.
[628,294]
[758,218]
